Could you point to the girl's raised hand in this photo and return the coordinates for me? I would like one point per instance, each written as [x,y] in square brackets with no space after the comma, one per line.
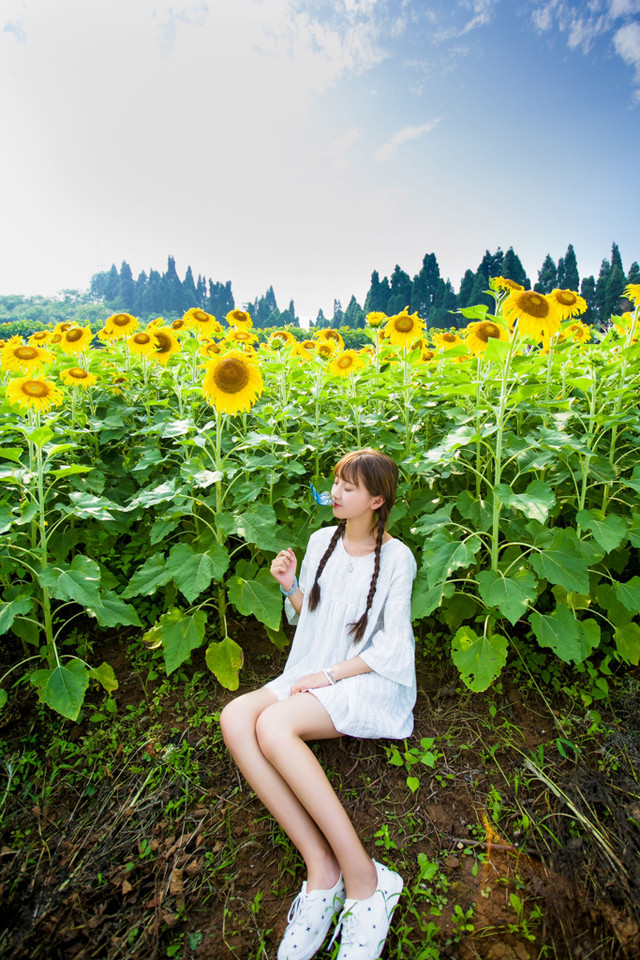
[283,568]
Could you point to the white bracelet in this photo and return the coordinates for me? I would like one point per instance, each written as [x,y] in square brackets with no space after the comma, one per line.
[329,675]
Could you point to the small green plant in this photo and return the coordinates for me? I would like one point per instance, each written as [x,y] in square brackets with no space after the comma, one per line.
[522,926]
[412,756]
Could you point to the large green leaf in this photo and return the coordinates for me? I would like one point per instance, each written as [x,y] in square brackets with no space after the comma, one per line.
[560,631]
[628,594]
[179,633]
[479,659]
[259,525]
[193,572]
[11,609]
[105,675]
[78,581]
[152,574]
[425,600]
[442,555]
[111,611]
[260,598]
[627,640]
[607,598]
[63,687]
[511,595]
[87,506]
[225,660]
[563,562]
[535,502]
[608,531]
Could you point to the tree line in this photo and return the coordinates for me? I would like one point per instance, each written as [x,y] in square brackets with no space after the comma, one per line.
[428,294]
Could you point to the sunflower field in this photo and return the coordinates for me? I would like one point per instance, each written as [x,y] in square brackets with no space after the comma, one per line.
[149,476]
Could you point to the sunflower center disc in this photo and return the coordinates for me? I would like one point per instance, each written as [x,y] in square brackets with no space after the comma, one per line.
[164,343]
[404,325]
[35,389]
[141,338]
[487,331]
[78,373]
[231,375]
[344,363]
[566,297]
[26,353]
[535,305]
[74,335]
[121,320]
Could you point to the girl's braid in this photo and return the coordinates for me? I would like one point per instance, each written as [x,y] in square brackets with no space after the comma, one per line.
[358,628]
[314,595]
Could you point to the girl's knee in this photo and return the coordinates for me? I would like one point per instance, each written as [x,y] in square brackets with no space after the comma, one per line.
[238,718]
[272,731]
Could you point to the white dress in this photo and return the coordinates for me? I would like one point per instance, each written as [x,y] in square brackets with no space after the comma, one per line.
[376,704]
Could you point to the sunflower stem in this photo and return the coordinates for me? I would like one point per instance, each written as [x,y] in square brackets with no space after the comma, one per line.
[497,474]
[606,494]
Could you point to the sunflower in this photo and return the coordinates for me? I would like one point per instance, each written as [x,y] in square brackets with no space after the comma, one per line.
[34,392]
[167,344]
[632,292]
[305,349]
[39,337]
[120,325]
[77,377]
[576,331]
[538,315]
[446,340]
[241,336]
[331,336]
[479,334]
[232,383]
[239,319]
[425,353]
[503,283]
[281,338]
[180,326]
[103,335]
[203,322]
[144,342]
[325,349]
[25,357]
[210,349]
[376,318]
[570,303]
[64,326]
[75,339]
[404,328]
[347,363]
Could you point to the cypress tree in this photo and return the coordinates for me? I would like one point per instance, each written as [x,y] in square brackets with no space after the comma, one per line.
[201,292]
[616,259]
[634,273]
[466,288]
[112,287]
[139,294]
[401,287]
[189,294]
[126,287]
[571,275]
[338,316]
[547,276]
[600,298]
[588,293]
[353,315]
[426,287]
[174,302]
[512,269]
[615,286]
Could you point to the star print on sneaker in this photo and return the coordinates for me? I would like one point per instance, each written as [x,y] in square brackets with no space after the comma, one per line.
[310,917]
[364,924]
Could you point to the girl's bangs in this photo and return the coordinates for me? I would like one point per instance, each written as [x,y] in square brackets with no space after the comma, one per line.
[347,470]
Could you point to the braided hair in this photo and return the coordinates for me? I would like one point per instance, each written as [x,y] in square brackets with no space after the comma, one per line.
[379,474]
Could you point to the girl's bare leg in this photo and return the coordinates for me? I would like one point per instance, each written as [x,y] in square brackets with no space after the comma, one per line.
[238,722]
[266,738]
[282,729]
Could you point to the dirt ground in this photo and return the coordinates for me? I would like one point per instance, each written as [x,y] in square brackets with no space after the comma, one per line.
[136,837]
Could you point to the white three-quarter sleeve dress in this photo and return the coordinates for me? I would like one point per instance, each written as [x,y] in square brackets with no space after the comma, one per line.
[376,704]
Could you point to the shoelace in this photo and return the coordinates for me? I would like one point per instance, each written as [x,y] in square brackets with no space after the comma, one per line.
[298,911]
[346,929]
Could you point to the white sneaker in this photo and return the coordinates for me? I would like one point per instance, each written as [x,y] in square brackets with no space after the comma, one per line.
[364,924]
[310,917]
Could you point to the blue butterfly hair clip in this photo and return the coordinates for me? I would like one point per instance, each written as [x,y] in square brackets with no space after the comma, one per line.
[323,499]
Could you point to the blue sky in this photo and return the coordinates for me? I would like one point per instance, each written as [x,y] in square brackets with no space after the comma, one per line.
[304,144]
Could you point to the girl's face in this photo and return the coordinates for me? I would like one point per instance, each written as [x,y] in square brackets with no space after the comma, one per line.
[351,499]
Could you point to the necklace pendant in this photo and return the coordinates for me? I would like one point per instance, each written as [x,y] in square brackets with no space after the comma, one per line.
[350,568]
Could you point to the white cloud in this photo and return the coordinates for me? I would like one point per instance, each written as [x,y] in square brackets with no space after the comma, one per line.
[402,136]
[627,43]
[340,150]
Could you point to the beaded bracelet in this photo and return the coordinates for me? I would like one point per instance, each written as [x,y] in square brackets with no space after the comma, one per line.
[328,672]
[290,592]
